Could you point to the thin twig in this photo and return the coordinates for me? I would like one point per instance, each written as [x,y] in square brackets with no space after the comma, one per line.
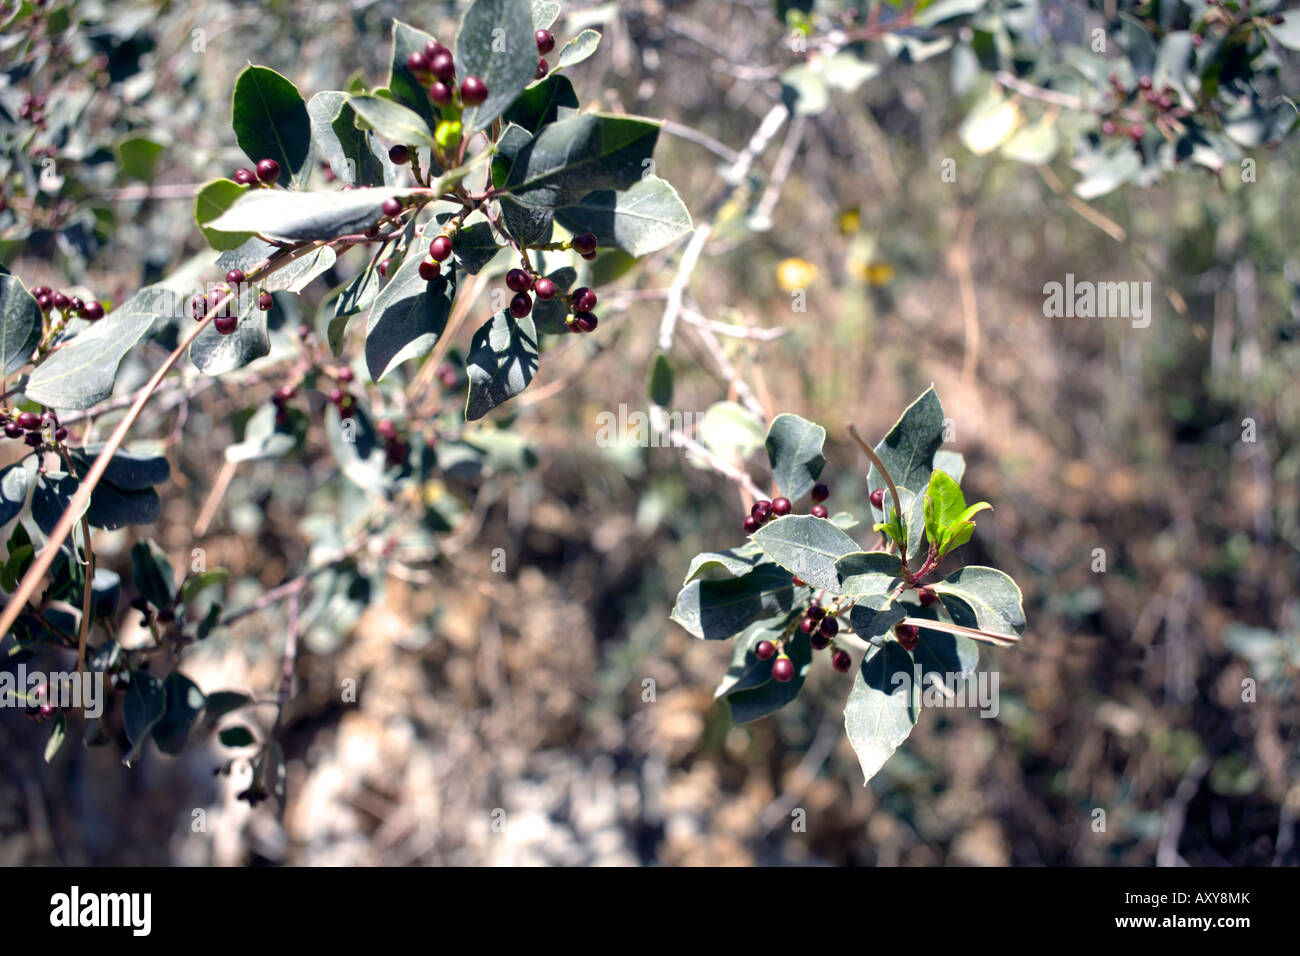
[893,491]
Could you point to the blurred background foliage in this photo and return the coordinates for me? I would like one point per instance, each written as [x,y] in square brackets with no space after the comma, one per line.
[503,717]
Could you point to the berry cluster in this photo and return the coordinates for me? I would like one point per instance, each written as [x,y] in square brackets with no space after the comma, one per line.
[31,427]
[226,321]
[47,299]
[33,109]
[338,395]
[41,705]
[396,449]
[268,171]
[1163,105]
[439,252]
[821,626]
[764,511]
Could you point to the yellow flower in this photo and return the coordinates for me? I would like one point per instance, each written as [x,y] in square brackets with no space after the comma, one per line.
[794,274]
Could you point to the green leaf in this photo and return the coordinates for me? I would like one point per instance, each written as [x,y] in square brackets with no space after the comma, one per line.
[20,325]
[544,13]
[213,199]
[730,430]
[794,449]
[356,296]
[1287,32]
[874,617]
[298,274]
[910,446]
[51,498]
[474,246]
[214,354]
[717,610]
[81,373]
[880,711]
[271,122]
[196,584]
[527,225]
[938,652]
[501,363]
[1034,144]
[545,102]
[222,702]
[153,573]
[866,573]
[143,706]
[112,508]
[807,547]
[393,121]
[496,43]
[14,482]
[128,470]
[578,49]
[983,598]
[357,449]
[296,216]
[406,88]
[138,156]
[58,733]
[409,315]
[263,438]
[570,158]
[237,736]
[348,150]
[642,219]
[509,145]
[661,381]
[946,498]
[950,462]
[184,702]
[549,314]
[736,562]
[750,705]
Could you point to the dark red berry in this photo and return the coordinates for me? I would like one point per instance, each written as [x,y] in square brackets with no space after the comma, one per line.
[383,267]
[345,375]
[440,93]
[93,311]
[808,624]
[392,206]
[521,305]
[265,301]
[440,248]
[780,506]
[12,430]
[818,640]
[60,301]
[28,420]
[818,511]
[589,256]
[584,300]
[830,627]
[75,305]
[336,396]
[878,498]
[429,269]
[750,524]
[820,493]
[226,324]
[44,302]
[764,650]
[783,670]
[816,611]
[542,68]
[762,510]
[444,67]
[473,91]
[909,635]
[60,433]
[198,307]
[41,290]
[584,243]
[268,170]
[284,393]
[1144,82]
[245,177]
[545,41]
[517,280]
[417,62]
[841,661]
[585,321]
[544,288]
[434,48]
[34,439]
[927,597]
[386,429]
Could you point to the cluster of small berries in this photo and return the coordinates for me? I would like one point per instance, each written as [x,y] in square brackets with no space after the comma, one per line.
[396,449]
[338,395]
[165,615]
[1164,102]
[33,109]
[31,427]
[764,511]
[268,171]
[227,320]
[47,299]
[42,706]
